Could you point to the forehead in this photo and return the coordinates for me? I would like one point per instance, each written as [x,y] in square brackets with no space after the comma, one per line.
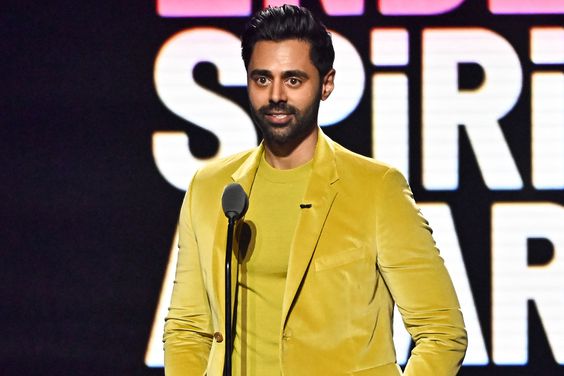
[288,54]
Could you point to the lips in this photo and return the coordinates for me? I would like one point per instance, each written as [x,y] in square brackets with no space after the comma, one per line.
[278,114]
[278,117]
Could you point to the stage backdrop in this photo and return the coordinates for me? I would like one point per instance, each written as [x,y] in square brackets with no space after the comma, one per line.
[111,108]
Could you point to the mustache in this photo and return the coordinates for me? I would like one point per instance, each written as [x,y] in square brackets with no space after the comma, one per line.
[278,107]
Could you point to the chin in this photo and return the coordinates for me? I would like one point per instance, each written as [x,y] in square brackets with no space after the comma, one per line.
[277,138]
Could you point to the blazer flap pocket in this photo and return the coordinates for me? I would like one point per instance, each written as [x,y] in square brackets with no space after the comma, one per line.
[390,369]
[339,258]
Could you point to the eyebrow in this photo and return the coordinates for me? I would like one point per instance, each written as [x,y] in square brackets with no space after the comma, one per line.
[286,74]
[295,73]
[260,72]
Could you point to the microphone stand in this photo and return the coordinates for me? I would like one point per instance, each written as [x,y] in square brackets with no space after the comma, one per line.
[228,331]
[235,203]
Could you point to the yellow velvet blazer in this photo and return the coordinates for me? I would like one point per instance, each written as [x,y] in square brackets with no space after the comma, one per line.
[361,247]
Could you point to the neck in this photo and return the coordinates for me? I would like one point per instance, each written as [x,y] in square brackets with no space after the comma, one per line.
[289,156]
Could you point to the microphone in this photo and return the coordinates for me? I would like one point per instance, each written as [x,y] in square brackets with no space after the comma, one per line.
[234,201]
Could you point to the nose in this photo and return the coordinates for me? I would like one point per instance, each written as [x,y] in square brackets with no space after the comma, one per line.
[277,92]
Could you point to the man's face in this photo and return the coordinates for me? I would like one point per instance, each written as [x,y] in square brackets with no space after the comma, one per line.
[285,89]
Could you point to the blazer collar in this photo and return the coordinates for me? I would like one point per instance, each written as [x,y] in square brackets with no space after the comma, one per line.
[245,174]
[324,167]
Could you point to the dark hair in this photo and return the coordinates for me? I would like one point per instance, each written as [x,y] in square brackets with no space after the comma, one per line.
[289,22]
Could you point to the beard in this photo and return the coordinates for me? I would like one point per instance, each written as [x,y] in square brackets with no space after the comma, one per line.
[300,125]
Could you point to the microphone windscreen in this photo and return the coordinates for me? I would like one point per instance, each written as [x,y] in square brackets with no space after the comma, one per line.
[234,201]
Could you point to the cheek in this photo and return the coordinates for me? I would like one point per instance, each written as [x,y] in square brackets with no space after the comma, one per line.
[304,100]
[256,98]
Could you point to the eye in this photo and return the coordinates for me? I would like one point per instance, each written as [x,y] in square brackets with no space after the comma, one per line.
[294,82]
[261,81]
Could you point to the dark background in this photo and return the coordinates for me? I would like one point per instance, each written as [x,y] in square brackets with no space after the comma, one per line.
[87,220]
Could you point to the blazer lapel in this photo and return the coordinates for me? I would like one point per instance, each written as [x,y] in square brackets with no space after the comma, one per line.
[320,193]
[244,175]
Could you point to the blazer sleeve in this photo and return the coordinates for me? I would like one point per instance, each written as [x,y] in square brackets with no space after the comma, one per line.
[419,282]
[188,328]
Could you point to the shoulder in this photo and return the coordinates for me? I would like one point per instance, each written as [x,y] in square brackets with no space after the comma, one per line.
[209,181]
[367,176]
[222,168]
[350,163]
[207,185]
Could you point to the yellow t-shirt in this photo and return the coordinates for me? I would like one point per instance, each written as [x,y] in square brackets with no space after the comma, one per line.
[274,207]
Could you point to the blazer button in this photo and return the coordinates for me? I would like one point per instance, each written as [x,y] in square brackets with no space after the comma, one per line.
[287,334]
[218,337]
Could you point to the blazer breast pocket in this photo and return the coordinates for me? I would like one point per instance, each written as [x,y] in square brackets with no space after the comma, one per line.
[340,258]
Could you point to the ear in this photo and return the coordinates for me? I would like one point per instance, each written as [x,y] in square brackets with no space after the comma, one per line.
[327,84]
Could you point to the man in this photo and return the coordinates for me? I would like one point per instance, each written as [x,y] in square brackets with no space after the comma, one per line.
[330,242]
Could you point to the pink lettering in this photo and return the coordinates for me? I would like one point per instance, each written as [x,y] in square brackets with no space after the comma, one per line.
[276,3]
[331,7]
[208,8]
[526,6]
[417,7]
[243,8]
